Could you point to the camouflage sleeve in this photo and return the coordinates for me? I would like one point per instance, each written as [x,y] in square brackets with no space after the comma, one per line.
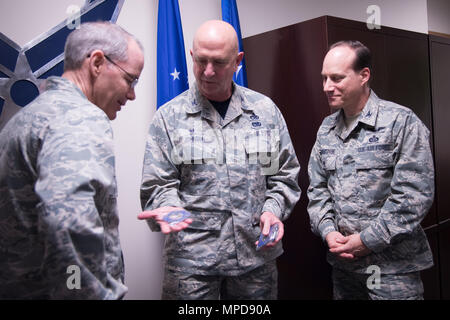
[160,176]
[283,190]
[320,205]
[412,188]
[73,163]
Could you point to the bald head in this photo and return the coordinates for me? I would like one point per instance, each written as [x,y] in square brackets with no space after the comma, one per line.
[216,58]
[218,33]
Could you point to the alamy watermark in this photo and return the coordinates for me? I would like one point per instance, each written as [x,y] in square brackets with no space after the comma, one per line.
[374,19]
[74,19]
[374,280]
[74,280]
[233,147]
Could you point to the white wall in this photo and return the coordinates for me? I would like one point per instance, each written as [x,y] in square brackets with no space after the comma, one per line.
[22,26]
[263,15]
[143,249]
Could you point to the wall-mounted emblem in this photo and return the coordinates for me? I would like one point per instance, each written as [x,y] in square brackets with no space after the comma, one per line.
[23,70]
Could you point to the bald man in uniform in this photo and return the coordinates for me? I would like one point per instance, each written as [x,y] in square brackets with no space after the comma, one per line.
[222,152]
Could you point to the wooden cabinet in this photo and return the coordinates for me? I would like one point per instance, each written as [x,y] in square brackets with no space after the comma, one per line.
[285,64]
[440,84]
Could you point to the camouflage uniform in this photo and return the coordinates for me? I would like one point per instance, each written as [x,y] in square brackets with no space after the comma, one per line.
[372,286]
[58,200]
[226,172]
[376,179]
[260,283]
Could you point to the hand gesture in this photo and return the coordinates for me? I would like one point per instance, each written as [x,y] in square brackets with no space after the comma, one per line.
[158,215]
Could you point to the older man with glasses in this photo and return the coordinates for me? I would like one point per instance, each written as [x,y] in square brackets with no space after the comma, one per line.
[58,213]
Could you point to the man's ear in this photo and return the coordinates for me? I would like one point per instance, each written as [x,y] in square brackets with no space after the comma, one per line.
[96,62]
[365,75]
[239,58]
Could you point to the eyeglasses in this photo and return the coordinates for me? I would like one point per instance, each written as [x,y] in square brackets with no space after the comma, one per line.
[133,82]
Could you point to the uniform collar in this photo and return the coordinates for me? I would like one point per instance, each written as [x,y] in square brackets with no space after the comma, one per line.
[370,111]
[368,116]
[60,83]
[198,103]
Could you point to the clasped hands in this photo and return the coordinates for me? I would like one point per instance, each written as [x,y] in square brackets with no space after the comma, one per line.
[346,247]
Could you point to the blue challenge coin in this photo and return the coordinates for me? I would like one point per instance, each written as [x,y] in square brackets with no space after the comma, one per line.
[263,240]
[177,216]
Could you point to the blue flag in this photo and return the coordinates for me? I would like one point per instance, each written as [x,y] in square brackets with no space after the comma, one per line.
[230,15]
[172,76]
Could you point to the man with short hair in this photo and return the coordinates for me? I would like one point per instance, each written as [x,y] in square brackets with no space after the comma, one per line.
[222,152]
[58,213]
[371,184]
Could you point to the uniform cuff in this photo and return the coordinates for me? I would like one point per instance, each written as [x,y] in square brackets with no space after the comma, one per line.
[272,206]
[371,240]
[326,227]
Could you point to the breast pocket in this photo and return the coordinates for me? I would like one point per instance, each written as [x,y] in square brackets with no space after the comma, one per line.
[329,165]
[198,167]
[262,149]
[374,172]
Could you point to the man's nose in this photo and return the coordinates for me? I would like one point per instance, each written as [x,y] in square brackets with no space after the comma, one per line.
[327,85]
[131,94]
[209,70]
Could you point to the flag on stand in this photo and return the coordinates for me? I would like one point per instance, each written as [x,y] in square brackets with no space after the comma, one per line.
[230,15]
[172,76]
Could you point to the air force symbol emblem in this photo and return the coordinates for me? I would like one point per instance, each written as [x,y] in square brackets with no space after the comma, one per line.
[24,69]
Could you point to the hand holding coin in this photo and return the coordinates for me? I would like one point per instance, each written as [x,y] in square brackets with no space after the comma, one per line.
[170,219]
